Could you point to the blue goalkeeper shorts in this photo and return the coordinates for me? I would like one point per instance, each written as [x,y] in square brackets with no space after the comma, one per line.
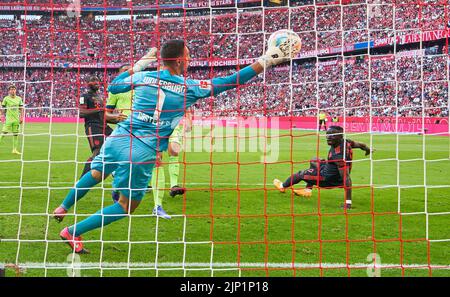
[130,158]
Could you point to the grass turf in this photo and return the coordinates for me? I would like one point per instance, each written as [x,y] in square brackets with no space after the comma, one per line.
[232,212]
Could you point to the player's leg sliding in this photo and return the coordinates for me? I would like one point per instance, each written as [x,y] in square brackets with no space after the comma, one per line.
[279,185]
[295,179]
[290,182]
[158,183]
[81,188]
[306,192]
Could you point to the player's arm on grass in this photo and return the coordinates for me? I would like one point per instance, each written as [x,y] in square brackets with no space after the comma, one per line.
[345,176]
[362,146]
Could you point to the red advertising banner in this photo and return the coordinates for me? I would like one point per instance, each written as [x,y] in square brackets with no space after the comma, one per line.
[412,38]
[416,125]
[413,125]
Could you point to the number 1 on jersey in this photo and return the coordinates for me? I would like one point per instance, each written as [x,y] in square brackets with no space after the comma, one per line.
[159,104]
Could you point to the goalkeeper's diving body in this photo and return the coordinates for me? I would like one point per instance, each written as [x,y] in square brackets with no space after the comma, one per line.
[335,172]
[160,101]
[118,108]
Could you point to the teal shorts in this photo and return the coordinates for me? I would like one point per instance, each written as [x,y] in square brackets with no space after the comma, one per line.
[131,159]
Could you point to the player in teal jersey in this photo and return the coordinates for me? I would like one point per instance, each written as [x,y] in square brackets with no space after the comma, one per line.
[13,105]
[118,108]
[159,103]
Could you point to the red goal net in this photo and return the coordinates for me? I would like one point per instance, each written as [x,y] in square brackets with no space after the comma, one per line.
[377,68]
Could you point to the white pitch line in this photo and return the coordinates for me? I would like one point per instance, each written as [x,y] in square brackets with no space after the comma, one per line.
[192,184]
[207,265]
[215,185]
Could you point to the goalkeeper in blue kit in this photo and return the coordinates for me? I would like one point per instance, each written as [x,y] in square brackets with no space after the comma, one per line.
[160,101]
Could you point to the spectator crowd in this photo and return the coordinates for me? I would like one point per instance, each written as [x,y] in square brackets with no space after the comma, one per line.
[408,83]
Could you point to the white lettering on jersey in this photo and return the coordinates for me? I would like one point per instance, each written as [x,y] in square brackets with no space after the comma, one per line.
[149,119]
[82,100]
[167,85]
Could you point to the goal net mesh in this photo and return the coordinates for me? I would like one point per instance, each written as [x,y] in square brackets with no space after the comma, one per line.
[378,68]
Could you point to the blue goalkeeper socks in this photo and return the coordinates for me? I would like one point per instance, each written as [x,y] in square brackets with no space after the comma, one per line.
[101,218]
[83,186]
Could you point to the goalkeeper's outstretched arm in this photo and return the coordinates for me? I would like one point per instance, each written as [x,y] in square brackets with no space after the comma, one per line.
[222,84]
[176,56]
[273,56]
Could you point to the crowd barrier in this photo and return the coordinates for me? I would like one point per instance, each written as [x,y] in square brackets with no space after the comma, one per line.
[427,125]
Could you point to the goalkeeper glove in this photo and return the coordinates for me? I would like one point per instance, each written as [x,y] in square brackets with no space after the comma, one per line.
[279,54]
[145,60]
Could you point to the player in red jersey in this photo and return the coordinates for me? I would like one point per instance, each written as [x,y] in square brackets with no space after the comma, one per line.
[334,172]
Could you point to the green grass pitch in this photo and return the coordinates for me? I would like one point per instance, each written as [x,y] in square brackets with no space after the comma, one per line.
[233,214]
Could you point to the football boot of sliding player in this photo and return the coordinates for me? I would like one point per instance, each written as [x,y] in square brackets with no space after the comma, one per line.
[303,192]
[279,185]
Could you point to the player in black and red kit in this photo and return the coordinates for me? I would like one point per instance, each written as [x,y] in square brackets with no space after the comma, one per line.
[334,172]
[92,110]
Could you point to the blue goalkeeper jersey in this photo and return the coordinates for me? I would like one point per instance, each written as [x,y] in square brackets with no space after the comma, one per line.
[161,99]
